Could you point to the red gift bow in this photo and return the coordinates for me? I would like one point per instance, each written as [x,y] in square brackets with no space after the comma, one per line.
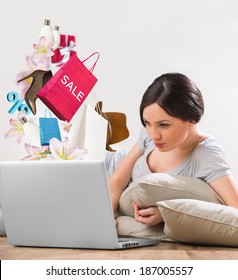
[66,49]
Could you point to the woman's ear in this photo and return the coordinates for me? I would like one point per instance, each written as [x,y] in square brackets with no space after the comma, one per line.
[191,123]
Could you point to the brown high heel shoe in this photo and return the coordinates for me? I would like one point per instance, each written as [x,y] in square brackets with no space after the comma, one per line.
[40,78]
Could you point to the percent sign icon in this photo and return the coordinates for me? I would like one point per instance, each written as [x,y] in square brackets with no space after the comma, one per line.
[12,96]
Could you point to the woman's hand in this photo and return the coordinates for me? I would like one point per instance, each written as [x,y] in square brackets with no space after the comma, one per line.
[150,216]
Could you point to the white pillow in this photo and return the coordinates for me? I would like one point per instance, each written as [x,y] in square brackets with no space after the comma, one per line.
[155,187]
[200,222]
[128,226]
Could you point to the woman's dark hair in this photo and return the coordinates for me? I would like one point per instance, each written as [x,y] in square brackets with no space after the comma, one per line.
[177,95]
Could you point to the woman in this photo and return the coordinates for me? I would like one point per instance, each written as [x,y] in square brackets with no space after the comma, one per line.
[171,142]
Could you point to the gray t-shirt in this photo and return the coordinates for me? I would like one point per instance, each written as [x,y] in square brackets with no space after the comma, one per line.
[207,161]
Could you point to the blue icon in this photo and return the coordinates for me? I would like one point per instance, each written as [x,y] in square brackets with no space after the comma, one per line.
[12,97]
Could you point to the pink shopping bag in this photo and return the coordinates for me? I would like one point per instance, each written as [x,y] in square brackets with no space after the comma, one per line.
[66,91]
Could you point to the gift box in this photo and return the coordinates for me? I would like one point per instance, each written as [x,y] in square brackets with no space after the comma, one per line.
[66,49]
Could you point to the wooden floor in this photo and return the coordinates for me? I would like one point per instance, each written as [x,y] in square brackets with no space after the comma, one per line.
[163,251]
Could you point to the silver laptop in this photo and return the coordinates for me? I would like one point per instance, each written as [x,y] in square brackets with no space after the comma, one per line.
[60,204]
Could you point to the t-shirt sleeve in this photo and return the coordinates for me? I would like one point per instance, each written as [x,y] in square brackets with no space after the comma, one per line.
[144,140]
[210,162]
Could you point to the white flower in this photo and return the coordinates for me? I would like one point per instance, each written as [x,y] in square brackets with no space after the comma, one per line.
[61,150]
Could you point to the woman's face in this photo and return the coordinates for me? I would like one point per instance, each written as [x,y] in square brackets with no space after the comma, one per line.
[166,132]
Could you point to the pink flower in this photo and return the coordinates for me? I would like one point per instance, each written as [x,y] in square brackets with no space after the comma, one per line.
[37,153]
[42,63]
[43,49]
[40,59]
[66,126]
[61,150]
[17,128]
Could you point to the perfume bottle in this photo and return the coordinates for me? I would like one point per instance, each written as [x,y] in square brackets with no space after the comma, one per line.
[31,131]
[56,35]
[47,31]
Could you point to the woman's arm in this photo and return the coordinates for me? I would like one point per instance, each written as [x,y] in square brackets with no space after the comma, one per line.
[227,188]
[122,176]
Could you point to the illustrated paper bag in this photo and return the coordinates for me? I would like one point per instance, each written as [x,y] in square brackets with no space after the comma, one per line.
[95,134]
[89,130]
[49,128]
[66,91]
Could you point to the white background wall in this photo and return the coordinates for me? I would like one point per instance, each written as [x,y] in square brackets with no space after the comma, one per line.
[138,41]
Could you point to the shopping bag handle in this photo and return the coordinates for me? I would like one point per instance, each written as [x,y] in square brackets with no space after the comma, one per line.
[98,55]
[48,111]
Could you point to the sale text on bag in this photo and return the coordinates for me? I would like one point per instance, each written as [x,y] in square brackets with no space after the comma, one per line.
[73,89]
